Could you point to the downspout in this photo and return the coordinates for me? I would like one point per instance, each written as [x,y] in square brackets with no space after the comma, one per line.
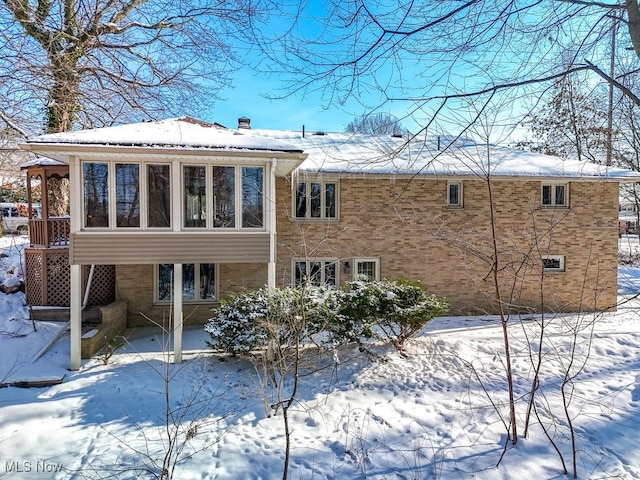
[271,278]
[88,288]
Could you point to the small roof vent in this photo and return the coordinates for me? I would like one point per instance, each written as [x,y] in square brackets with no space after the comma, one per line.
[320,133]
[244,122]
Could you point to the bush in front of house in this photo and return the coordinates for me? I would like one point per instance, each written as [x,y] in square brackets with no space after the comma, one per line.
[399,308]
[236,326]
[260,318]
[393,310]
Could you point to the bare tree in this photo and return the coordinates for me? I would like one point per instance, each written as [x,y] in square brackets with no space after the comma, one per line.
[378,124]
[98,62]
[427,56]
[572,124]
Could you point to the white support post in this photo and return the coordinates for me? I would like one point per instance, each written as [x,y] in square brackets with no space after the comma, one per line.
[75,320]
[271,270]
[177,313]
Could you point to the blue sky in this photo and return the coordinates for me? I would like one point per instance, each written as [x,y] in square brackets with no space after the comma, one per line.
[248,98]
[248,95]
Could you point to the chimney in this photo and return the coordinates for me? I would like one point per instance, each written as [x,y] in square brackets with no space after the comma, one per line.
[244,122]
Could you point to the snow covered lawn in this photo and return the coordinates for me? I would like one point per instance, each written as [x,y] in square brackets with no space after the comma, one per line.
[437,413]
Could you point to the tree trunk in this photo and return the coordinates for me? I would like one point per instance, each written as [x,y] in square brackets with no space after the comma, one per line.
[63,97]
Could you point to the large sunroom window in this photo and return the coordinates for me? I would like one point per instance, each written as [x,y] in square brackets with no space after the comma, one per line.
[159,196]
[127,195]
[198,282]
[229,192]
[95,177]
[120,195]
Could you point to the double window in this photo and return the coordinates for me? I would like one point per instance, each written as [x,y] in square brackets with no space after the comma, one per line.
[134,195]
[555,195]
[198,282]
[316,200]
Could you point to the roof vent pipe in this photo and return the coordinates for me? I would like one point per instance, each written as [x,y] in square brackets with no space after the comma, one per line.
[244,122]
[438,142]
[302,131]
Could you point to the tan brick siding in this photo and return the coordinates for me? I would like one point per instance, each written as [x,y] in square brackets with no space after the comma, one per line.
[408,225]
[135,283]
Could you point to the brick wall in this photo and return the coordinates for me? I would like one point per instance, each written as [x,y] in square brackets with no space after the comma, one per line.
[135,283]
[407,224]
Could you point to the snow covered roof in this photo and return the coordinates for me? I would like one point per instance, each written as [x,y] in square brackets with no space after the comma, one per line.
[443,156]
[41,161]
[343,153]
[182,132]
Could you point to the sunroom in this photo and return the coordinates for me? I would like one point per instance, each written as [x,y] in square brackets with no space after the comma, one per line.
[181,200]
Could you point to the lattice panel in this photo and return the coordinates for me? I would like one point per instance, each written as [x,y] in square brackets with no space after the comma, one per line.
[33,274]
[58,279]
[48,279]
[103,284]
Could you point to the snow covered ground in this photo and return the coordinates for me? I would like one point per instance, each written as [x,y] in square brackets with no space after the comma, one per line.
[437,413]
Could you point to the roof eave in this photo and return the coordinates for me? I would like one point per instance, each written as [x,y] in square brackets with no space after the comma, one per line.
[63,152]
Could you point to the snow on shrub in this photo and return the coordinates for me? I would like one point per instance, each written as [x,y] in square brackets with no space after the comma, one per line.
[236,327]
[399,308]
[394,310]
[261,318]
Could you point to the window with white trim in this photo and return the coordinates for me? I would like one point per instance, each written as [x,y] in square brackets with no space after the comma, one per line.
[316,200]
[315,272]
[199,282]
[126,195]
[230,192]
[553,263]
[366,269]
[555,194]
[454,194]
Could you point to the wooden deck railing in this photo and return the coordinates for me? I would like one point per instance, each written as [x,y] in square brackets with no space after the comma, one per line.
[49,232]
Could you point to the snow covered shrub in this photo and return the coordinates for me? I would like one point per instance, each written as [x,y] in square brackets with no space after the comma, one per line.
[399,308]
[407,308]
[236,325]
[326,317]
[279,318]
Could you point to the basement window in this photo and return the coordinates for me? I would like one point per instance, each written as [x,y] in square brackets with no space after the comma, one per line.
[553,263]
[315,272]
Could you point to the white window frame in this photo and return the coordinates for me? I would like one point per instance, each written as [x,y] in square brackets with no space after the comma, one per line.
[156,285]
[209,199]
[552,186]
[627,208]
[460,203]
[323,206]
[556,258]
[359,260]
[112,195]
[323,262]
